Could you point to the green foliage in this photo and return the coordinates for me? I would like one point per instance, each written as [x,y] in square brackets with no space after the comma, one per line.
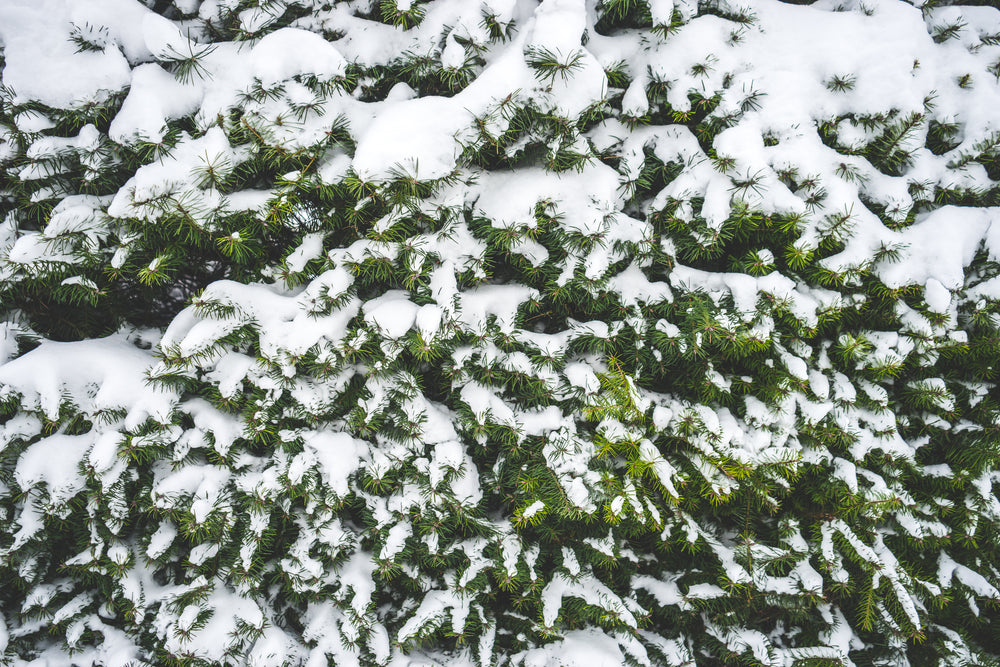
[610,374]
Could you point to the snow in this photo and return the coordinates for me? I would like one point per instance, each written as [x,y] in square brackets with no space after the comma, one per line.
[55,462]
[814,41]
[938,248]
[415,138]
[161,540]
[310,249]
[948,569]
[285,327]
[393,313]
[485,404]
[497,302]
[154,97]
[40,64]
[338,454]
[508,198]
[577,648]
[533,509]
[290,52]
[142,194]
[395,540]
[100,375]
[205,484]
[319,370]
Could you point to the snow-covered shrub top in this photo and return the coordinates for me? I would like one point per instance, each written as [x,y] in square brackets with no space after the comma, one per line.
[499,332]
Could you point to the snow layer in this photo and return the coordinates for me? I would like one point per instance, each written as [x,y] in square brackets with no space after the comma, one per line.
[372,419]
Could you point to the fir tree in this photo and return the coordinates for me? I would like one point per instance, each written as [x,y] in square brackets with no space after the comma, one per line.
[495,332]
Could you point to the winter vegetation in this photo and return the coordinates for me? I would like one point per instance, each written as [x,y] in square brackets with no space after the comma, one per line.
[499,332]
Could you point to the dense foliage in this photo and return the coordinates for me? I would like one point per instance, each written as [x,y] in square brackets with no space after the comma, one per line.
[660,332]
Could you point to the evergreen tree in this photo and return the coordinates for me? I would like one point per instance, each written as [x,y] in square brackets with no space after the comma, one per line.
[499,333]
